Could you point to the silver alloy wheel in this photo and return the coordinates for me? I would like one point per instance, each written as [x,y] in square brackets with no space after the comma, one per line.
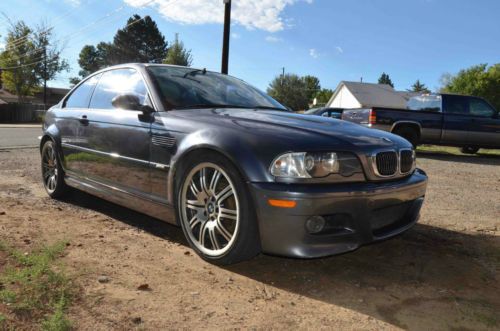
[209,209]
[49,168]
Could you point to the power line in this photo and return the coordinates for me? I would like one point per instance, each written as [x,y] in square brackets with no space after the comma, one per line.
[20,41]
[95,22]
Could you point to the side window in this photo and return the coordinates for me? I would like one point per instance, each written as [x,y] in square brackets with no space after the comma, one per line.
[117,82]
[457,105]
[80,97]
[480,108]
[425,102]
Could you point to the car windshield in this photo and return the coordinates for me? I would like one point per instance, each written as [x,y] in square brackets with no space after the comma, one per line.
[182,87]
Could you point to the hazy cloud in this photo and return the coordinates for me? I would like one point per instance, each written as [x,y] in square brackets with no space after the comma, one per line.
[273,39]
[339,49]
[314,53]
[235,35]
[252,14]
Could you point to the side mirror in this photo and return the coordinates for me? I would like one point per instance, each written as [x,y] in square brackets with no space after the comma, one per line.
[127,102]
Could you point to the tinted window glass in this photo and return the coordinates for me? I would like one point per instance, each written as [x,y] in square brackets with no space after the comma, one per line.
[425,102]
[117,82]
[480,108]
[457,105]
[187,87]
[80,97]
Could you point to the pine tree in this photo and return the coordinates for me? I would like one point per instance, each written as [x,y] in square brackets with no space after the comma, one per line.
[419,87]
[385,79]
[139,41]
[177,54]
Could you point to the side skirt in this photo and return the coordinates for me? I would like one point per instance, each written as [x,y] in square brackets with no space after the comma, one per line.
[123,198]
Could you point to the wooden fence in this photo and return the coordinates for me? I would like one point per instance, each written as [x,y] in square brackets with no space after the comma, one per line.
[21,112]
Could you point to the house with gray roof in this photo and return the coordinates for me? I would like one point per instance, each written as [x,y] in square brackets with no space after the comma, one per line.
[350,95]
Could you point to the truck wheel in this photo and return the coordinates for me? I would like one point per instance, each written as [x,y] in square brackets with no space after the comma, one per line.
[409,134]
[469,150]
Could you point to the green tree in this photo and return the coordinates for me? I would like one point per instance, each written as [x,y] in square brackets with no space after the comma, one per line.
[312,86]
[323,96]
[385,79]
[479,80]
[290,90]
[139,41]
[177,54]
[18,77]
[419,87]
[31,56]
[48,48]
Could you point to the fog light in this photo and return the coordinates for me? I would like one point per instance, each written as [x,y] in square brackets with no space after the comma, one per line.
[315,224]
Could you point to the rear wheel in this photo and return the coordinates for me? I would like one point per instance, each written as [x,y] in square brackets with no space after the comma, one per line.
[409,134]
[469,150]
[52,172]
[215,210]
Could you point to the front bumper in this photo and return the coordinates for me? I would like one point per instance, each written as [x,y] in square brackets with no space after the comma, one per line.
[355,214]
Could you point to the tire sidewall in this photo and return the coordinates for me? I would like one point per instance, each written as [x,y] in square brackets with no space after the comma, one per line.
[60,184]
[246,244]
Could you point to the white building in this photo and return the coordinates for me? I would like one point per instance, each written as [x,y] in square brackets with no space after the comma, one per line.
[351,95]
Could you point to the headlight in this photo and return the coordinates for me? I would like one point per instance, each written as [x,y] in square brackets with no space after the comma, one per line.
[314,165]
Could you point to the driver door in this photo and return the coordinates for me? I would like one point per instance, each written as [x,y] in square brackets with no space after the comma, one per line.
[117,141]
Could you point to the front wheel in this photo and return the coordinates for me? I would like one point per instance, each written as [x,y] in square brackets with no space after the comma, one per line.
[215,210]
[52,172]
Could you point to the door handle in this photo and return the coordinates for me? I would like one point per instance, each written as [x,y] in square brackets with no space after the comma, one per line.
[84,120]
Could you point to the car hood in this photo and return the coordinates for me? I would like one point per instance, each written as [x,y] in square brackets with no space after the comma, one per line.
[283,124]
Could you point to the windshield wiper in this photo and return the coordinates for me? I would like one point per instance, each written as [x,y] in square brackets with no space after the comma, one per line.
[269,107]
[212,105]
[207,105]
[195,71]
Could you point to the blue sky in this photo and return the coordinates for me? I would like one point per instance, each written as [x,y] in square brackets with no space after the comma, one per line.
[332,39]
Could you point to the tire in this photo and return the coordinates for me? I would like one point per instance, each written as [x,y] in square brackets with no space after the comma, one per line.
[469,150]
[409,134]
[217,217]
[52,172]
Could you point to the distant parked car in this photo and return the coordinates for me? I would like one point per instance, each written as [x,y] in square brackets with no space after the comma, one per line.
[326,112]
[232,166]
[439,119]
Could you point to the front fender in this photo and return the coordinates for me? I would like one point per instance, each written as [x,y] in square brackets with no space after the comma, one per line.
[252,164]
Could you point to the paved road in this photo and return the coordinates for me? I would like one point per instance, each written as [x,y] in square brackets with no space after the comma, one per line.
[19,136]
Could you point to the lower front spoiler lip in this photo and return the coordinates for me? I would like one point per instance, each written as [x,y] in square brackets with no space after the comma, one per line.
[358,214]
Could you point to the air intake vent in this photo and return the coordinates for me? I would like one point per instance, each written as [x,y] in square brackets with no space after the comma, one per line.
[406,162]
[163,141]
[387,163]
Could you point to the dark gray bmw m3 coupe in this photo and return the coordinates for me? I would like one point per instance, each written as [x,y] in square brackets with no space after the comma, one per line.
[233,167]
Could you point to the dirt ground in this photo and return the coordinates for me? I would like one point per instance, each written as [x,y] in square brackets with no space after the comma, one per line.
[442,274]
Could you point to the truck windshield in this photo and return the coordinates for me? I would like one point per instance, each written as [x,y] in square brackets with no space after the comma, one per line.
[184,88]
[425,102]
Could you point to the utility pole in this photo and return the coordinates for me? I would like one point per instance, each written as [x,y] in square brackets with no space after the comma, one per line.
[282,75]
[225,41]
[45,76]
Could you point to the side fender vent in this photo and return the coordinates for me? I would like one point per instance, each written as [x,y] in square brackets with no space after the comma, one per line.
[163,141]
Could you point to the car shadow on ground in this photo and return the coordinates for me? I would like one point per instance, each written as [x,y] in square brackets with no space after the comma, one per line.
[427,278]
[487,159]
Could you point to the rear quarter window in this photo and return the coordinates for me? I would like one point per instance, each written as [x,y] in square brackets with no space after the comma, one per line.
[80,97]
[425,102]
